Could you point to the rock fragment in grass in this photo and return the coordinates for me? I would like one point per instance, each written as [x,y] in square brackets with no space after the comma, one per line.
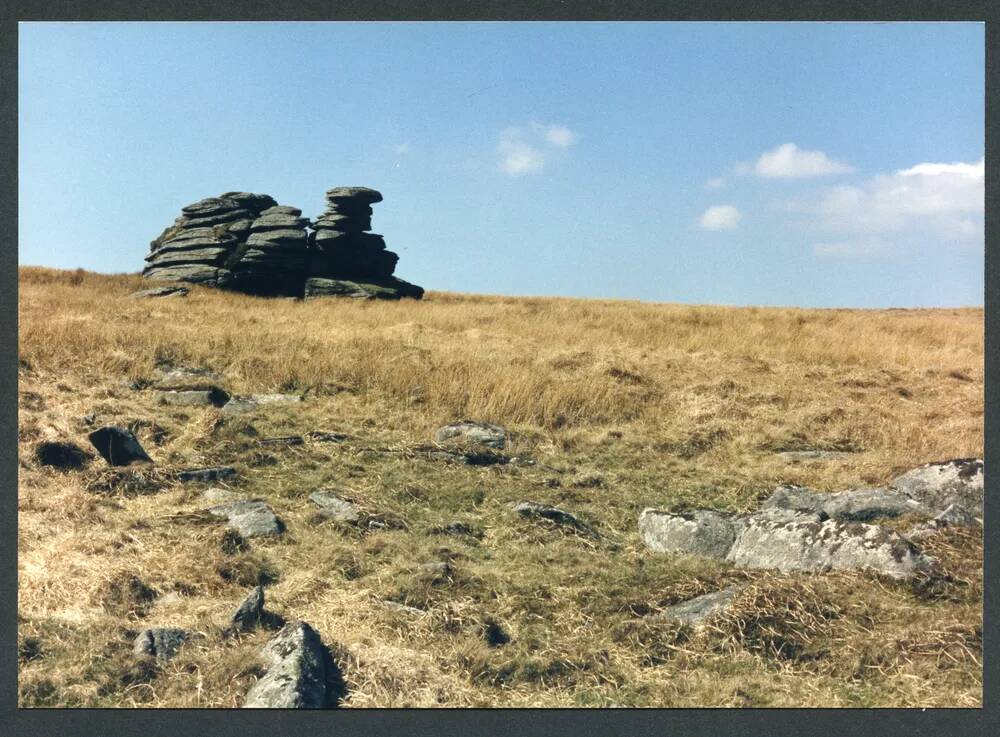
[215,473]
[554,514]
[474,431]
[118,446]
[249,612]
[301,673]
[697,611]
[161,643]
[250,518]
[939,485]
[177,291]
[333,507]
[213,397]
[701,532]
[63,455]
[796,456]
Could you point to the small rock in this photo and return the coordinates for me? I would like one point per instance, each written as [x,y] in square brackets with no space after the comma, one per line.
[214,397]
[553,514]
[177,291]
[161,643]
[297,676]
[118,446]
[249,517]
[207,474]
[939,485]
[218,496]
[62,455]
[483,433]
[697,611]
[333,507]
[701,532]
[248,614]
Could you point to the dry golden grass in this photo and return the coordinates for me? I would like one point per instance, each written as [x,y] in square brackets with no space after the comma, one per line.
[623,404]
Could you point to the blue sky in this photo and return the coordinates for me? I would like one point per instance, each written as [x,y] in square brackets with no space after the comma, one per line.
[811,164]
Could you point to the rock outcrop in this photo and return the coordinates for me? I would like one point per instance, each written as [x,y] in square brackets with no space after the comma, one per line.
[301,673]
[249,243]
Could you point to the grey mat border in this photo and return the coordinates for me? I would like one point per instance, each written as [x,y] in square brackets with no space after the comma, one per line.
[151,723]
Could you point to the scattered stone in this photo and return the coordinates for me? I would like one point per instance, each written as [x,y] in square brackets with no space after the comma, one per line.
[697,611]
[333,507]
[939,485]
[554,514]
[217,473]
[701,532]
[213,397]
[300,672]
[249,517]
[161,643]
[63,455]
[118,446]
[813,455]
[473,431]
[248,614]
[860,505]
[175,291]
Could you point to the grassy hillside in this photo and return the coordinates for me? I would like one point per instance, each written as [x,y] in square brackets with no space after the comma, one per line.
[622,405]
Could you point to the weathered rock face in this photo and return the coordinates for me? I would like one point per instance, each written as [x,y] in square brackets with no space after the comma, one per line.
[298,672]
[247,242]
[859,505]
[939,485]
[697,611]
[701,532]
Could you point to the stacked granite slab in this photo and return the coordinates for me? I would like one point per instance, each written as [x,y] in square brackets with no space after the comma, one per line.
[206,241]
[346,259]
[247,242]
[273,263]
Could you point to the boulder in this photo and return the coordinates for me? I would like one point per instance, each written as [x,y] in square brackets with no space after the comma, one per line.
[249,517]
[474,431]
[118,446]
[333,507]
[161,643]
[939,485]
[298,672]
[769,541]
[702,532]
[353,194]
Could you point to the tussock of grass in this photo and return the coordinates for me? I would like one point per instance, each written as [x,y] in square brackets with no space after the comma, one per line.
[620,405]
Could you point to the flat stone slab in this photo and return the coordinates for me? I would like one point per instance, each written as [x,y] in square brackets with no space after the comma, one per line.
[360,194]
[249,517]
[697,611]
[701,532]
[860,505]
[216,473]
[161,643]
[214,397]
[118,446]
[813,455]
[177,291]
[187,379]
[333,507]
[770,541]
[296,677]
[474,431]
[939,485]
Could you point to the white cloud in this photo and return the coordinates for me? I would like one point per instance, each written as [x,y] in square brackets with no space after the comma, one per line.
[788,161]
[945,197]
[719,217]
[522,151]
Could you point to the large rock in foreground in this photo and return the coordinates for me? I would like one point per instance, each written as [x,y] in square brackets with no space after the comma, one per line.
[301,674]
